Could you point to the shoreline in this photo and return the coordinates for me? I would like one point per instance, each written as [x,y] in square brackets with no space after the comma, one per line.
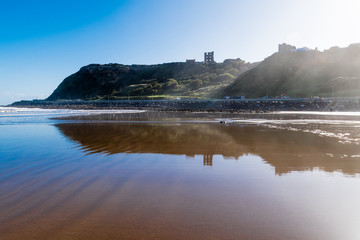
[218,105]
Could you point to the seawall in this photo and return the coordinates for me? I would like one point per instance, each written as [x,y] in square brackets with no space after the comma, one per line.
[231,105]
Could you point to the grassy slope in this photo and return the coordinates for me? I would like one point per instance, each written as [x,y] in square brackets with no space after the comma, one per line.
[116,81]
[335,72]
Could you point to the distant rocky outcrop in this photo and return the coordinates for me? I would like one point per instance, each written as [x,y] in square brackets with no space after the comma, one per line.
[334,72]
[117,81]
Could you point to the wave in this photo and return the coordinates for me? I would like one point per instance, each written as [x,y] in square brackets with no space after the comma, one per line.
[320,113]
[354,123]
[12,111]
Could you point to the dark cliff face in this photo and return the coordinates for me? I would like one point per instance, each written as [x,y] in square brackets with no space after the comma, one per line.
[335,72]
[116,80]
[91,80]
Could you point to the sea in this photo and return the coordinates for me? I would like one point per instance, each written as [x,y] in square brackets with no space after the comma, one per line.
[129,174]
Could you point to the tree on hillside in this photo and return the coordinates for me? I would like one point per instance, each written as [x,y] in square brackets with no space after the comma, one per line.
[171,83]
[195,84]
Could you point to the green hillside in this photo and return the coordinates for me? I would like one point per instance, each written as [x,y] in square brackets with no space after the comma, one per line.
[334,72]
[169,80]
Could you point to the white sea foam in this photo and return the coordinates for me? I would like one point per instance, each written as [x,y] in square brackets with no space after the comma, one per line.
[321,127]
[342,137]
[297,121]
[11,111]
[11,116]
[320,113]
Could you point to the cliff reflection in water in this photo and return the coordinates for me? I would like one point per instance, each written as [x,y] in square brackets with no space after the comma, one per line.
[285,150]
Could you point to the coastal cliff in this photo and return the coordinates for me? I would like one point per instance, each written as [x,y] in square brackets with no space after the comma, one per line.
[179,79]
[332,73]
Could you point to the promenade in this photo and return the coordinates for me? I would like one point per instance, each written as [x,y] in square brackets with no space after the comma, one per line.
[217,105]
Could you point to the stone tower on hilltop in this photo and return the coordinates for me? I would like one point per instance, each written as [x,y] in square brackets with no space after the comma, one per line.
[209,57]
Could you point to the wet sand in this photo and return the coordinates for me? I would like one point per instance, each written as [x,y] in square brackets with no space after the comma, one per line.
[169,176]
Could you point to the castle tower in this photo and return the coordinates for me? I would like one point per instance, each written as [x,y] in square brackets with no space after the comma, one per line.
[208,160]
[209,57]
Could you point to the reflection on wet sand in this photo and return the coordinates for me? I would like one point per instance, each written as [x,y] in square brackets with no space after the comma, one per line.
[97,179]
[285,150]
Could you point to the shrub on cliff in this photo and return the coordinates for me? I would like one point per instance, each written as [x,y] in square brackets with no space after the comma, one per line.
[195,84]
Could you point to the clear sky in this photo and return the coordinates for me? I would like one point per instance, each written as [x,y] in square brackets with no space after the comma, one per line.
[42,42]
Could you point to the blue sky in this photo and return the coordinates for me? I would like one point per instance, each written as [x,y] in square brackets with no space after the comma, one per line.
[42,42]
